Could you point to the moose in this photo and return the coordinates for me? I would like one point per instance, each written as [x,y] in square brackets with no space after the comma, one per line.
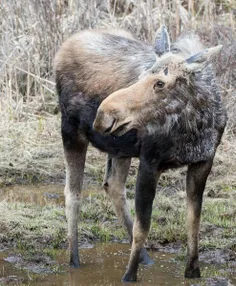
[130,99]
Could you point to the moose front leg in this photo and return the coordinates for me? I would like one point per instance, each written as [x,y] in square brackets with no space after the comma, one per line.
[114,184]
[144,196]
[196,180]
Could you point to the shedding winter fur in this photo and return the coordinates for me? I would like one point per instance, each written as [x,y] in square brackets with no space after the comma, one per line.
[158,103]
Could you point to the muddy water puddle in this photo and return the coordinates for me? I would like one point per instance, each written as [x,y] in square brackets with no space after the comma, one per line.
[104,265]
[33,194]
[38,194]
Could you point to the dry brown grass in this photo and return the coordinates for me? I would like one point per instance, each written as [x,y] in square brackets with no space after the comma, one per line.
[31,32]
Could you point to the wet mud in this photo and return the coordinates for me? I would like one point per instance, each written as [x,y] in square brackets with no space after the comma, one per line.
[103,264]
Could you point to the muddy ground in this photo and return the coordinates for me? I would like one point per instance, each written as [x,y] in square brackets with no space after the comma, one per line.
[33,229]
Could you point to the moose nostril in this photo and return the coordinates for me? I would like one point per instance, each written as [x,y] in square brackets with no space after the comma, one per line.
[104,122]
[111,126]
[120,130]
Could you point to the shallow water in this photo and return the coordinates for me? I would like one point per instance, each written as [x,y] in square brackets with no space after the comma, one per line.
[104,265]
[38,194]
[34,194]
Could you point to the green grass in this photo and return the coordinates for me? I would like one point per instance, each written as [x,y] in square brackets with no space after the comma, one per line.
[32,226]
[38,233]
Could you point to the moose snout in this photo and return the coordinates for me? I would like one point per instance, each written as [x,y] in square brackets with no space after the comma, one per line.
[104,122]
[113,115]
[115,123]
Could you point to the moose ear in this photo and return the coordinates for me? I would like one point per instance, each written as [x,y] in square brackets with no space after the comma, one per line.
[162,41]
[202,59]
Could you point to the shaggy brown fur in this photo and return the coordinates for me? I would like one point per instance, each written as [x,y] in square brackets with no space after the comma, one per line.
[166,109]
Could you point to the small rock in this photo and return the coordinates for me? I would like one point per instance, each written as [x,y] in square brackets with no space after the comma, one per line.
[87,245]
[51,196]
[219,281]
[13,259]
[162,221]
[211,194]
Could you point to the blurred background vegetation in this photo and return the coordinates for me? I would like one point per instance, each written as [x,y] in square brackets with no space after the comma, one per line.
[31,32]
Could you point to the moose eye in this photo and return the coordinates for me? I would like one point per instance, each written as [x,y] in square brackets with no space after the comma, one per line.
[159,84]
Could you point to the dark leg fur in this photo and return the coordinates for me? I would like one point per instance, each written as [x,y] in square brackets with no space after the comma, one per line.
[145,193]
[114,184]
[196,179]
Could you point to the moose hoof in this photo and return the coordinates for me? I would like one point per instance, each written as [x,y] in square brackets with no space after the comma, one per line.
[192,273]
[145,259]
[75,263]
[129,277]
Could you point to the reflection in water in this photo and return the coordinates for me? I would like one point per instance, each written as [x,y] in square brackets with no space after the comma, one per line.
[34,194]
[41,195]
[106,264]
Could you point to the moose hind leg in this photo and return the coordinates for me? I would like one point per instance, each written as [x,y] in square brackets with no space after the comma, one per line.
[196,180]
[114,184]
[75,154]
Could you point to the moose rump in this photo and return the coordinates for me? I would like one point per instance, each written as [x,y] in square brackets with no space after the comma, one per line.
[129,100]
